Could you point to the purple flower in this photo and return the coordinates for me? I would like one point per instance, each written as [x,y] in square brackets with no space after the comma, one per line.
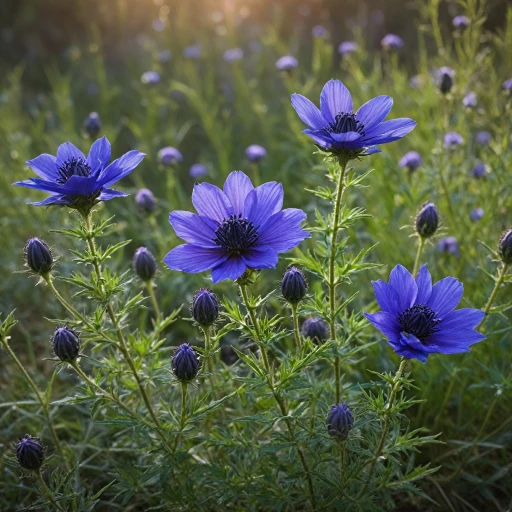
[197,171]
[158,25]
[336,128]
[145,200]
[470,101]
[419,319]
[92,124]
[449,245]
[412,160]
[452,140]
[479,170]
[237,228]
[164,56]
[169,156]
[319,31]
[79,182]
[286,63]
[347,47]
[192,52]
[461,22]
[392,42]
[150,78]
[483,138]
[233,54]
[476,214]
[507,85]
[255,153]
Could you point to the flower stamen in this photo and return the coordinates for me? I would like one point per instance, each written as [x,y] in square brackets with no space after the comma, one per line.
[420,321]
[236,234]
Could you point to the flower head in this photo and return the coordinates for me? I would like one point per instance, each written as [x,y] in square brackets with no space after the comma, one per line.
[205,307]
[144,264]
[233,54]
[185,364]
[319,31]
[197,171]
[286,63]
[476,214]
[340,421]
[412,160]
[66,344]
[419,319]
[449,245]
[192,52]
[79,182]
[145,200]
[92,124]
[237,228]
[348,47]
[470,100]
[164,56]
[169,156]
[461,22]
[316,329]
[483,138]
[480,170]
[38,256]
[336,128]
[507,85]
[427,220]
[255,153]
[445,76]
[293,285]
[453,140]
[505,247]
[150,78]
[30,452]
[392,42]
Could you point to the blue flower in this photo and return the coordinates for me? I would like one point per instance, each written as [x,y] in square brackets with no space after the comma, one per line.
[347,47]
[192,52]
[319,31]
[507,85]
[420,319]
[392,42]
[197,171]
[150,78]
[449,245]
[452,140]
[169,156]
[286,63]
[79,182]
[476,214]
[412,160]
[480,170]
[461,22]
[233,54]
[335,127]
[255,153]
[470,100]
[483,138]
[237,228]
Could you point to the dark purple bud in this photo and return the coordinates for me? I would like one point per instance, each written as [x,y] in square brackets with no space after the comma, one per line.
[316,329]
[144,264]
[145,200]
[445,77]
[427,220]
[30,452]
[255,153]
[461,22]
[340,421]
[479,171]
[92,124]
[185,364]
[505,247]
[38,256]
[169,156]
[66,344]
[412,160]
[205,307]
[293,285]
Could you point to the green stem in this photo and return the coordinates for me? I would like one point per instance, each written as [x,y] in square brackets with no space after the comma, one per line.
[183,413]
[154,302]
[340,186]
[208,347]
[296,330]
[417,261]
[47,491]
[342,461]
[395,387]
[501,277]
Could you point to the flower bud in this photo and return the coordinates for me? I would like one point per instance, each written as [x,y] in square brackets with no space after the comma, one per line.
[427,220]
[461,22]
[315,329]
[66,344]
[505,247]
[205,307]
[38,256]
[480,170]
[169,156]
[144,264]
[293,285]
[449,245]
[412,160]
[92,124]
[470,100]
[30,452]
[476,214]
[255,153]
[445,79]
[185,364]
[145,200]
[340,421]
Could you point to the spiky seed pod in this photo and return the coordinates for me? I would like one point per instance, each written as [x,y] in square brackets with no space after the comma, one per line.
[185,364]
[293,285]
[66,344]
[427,220]
[30,452]
[340,421]
[144,264]
[315,329]
[38,256]
[205,307]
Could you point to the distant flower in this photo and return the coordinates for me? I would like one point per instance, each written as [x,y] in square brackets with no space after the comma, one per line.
[419,319]
[185,364]
[315,329]
[480,170]
[92,124]
[192,52]
[337,129]
[233,54]
[197,171]
[483,138]
[461,22]
[255,153]
[158,25]
[30,453]
[416,81]
[392,42]
[507,85]
[145,200]
[164,56]
[150,78]
[340,421]
[319,31]
[427,220]
[470,100]
[79,182]
[445,76]
[347,47]
[38,256]
[476,214]
[205,307]
[237,228]
[505,247]
[412,160]
[286,63]
[452,140]
[144,264]
[449,245]
[255,46]
[66,343]
[169,156]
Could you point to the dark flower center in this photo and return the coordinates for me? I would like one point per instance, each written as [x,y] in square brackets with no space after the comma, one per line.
[73,167]
[236,234]
[420,321]
[344,123]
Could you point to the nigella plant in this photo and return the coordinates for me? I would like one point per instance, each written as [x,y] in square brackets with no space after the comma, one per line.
[336,129]
[420,319]
[238,228]
[77,181]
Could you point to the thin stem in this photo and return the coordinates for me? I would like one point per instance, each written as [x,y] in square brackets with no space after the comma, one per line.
[296,330]
[342,461]
[183,413]
[417,261]
[154,302]
[385,427]
[208,346]
[501,277]
[47,491]
[340,186]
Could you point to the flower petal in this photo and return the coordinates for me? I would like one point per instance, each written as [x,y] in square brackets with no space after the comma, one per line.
[386,296]
[386,323]
[404,350]
[282,231]
[110,193]
[424,284]
[191,228]
[120,168]
[374,111]
[465,318]
[259,258]
[44,166]
[66,152]
[54,199]
[389,131]
[454,341]
[232,268]
[321,139]
[39,184]
[446,295]
[308,112]
[99,155]
[404,285]
[335,99]
[262,202]
[346,137]
[81,186]
[193,259]
[210,201]
[236,187]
